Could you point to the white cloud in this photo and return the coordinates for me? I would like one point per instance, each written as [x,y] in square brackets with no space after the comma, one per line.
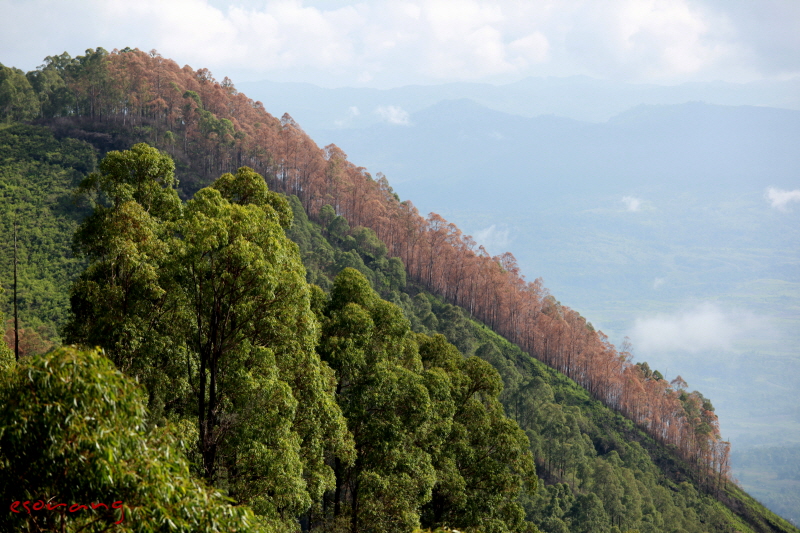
[658,282]
[396,42]
[393,115]
[495,239]
[533,48]
[780,198]
[632,203]
[701,328]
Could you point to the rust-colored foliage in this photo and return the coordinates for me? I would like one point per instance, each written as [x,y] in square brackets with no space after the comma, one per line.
[31,341]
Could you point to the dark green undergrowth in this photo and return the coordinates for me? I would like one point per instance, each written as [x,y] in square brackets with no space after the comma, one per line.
[37,175]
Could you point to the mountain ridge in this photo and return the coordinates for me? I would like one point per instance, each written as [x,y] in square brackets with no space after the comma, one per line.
[219,155]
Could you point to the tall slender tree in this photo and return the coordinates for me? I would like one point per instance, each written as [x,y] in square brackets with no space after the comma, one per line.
[16,313]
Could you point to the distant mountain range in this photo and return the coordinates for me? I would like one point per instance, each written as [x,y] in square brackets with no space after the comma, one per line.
[577,97]
[644,207]
[458,142]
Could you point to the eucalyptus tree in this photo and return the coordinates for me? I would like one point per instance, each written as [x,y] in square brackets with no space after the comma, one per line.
[206,303]
[433,443]
[76,455]
[383,395]
[484,463]
[17,98]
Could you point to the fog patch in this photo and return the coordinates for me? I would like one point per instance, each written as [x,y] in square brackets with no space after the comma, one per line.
[393,115]
[779,199]
[632,203]
[700,328]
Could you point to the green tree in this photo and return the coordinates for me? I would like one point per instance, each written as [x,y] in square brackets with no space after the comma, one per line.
[207,304]
[125,300]
[383,394]
[588,515]
[250,325]
[18,100]
[368,244]
[51,90]
[338,228]
[483,464]
[326,215]
[74,431]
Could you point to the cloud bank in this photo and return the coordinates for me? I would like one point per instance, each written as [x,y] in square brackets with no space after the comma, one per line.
[780,198]
[397,42]
[393,115]
[632,203]
[701,328]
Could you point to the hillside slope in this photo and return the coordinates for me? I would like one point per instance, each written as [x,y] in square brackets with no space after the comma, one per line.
[294,164]
[597,468]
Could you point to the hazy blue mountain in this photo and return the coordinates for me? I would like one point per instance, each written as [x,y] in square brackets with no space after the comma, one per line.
[578,97]
[653,224]
[695,145]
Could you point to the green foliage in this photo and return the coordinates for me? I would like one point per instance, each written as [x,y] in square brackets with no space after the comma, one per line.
[208,306]
[317,253]
[248,187]
[18,100]
[368,244]
[362,251]
[74,430]
[119,301]
[37,175]
[338,229]
[483,463]
[53,94]
[6,353]
[143,175]
[382,393]
[432,441]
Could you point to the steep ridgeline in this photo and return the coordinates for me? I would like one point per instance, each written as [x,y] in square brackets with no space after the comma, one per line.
[112,99]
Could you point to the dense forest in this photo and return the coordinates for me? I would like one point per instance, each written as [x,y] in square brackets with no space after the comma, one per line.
[330,359]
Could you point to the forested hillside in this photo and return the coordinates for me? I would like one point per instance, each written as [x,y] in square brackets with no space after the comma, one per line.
[165,277]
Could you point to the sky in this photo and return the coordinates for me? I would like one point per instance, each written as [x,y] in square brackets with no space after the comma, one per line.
[391,43]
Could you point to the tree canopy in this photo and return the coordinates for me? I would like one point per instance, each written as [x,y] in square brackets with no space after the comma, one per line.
[74,431]
[207,304]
